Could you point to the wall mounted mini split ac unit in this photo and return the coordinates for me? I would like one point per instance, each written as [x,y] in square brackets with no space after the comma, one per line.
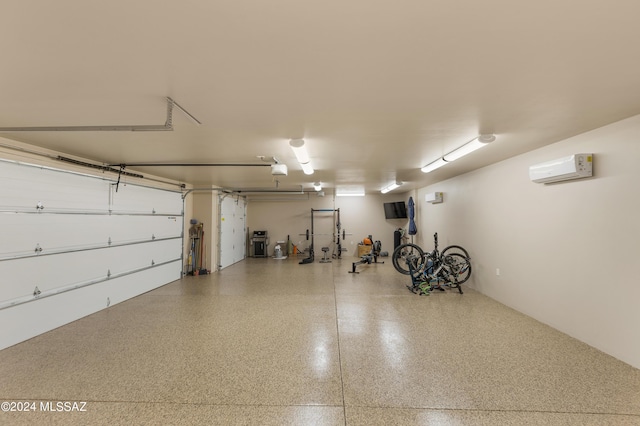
[433,197]
[574,166]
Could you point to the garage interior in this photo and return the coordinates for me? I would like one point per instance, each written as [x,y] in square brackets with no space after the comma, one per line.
[142,146]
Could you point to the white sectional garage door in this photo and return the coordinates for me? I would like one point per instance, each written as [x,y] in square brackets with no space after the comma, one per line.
[232,230]
[72,245]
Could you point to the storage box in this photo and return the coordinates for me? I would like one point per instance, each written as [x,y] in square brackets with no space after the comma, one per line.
[363,249]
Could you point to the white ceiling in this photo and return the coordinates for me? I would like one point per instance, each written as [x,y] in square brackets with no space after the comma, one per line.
[378,89]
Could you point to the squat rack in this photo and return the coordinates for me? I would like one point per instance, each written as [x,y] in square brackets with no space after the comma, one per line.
[336,235]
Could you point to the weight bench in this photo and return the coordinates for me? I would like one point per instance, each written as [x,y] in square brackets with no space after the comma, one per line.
[325,259]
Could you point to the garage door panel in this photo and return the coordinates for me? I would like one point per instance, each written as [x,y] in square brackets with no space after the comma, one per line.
[232,230]
[47,313]
[26,186]
[82,234]
[48,272]
[22,233]
[144,200]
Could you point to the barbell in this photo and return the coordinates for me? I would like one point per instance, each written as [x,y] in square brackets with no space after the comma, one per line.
[307,234]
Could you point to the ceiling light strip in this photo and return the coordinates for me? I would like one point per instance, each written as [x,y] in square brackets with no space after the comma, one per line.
[350,193]
[433,165]
[300,151]
[307,168]
[474,144]
[391,187]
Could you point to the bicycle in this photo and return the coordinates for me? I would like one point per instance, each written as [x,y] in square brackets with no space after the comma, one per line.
[451,267]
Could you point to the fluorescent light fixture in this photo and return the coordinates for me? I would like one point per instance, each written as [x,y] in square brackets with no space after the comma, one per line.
[307,168]
[300,151]
[297,145]
[433,165]
[391,187]
[463,150]
[472,145]
[317,186]
[486,138]
[469,147]
[350,192]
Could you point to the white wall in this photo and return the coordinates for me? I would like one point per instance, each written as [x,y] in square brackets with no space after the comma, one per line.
[359,216]
[567,251]
[365,215]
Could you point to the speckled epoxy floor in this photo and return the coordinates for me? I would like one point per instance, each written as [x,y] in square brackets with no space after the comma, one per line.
[272,342]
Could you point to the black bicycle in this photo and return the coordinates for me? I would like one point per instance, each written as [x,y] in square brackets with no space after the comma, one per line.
[451,267]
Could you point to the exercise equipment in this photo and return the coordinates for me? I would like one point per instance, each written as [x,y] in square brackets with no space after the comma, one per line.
[369,258]
[307,234]
[197,252]
[336,235]
[397,237]
[310,258]
[325,259]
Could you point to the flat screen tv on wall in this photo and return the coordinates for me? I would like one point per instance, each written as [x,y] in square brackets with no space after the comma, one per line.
[397,210]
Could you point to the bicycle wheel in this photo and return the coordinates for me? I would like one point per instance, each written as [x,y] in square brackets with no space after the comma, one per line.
[405,255]
[458,269]
[455,249]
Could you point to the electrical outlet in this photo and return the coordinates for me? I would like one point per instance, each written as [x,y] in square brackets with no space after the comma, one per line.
[497,271]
